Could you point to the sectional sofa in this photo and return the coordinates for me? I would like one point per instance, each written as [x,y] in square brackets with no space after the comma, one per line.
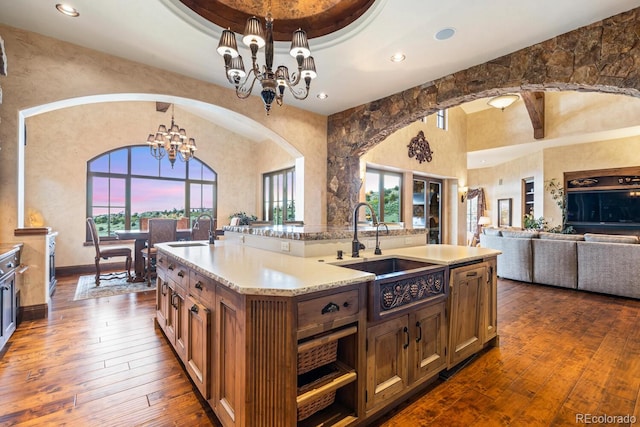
[601,263]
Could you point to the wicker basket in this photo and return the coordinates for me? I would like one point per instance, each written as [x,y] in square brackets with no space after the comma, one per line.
[317,356]
[315,405]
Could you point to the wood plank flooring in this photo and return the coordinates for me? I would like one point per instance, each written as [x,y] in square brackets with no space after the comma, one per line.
[102,362]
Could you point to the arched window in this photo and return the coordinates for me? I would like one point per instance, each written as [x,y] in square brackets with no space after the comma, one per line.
[127,184]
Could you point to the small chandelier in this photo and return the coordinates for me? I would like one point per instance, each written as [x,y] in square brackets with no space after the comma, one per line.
[173,142]
[273,83]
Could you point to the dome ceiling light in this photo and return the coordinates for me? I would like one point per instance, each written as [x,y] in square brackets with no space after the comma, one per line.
[503,101]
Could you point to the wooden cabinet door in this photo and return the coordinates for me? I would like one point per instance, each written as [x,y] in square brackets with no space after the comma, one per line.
[490,300]
[428,341]
[229,356]
[466,330]
[179,317]
[387,352]
[7,308]
[172,317]
[197,351]
[163,295]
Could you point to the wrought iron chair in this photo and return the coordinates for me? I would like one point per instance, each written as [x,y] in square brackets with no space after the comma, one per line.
[160,230]
[108,252]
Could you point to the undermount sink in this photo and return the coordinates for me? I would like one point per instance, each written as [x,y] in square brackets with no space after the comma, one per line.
[186,244]
[385,266]
[402,285]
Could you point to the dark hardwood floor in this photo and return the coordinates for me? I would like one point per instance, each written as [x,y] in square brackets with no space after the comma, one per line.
[102,362]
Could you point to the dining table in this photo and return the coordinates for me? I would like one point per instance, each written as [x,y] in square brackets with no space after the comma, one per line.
[140,238]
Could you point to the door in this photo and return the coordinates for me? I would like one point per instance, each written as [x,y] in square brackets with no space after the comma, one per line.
[387,352]
[8,307]
[229,378]
[466,332]
[490,301]
[428,340]
[197,351]
[163,295]
[179,316]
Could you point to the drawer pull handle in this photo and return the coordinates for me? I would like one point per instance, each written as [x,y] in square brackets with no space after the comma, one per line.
[5,288]
[472,273]
[332,307]
[194,308]
[199,285]
[419,331]
[180,273]
[161,261]
[171,267]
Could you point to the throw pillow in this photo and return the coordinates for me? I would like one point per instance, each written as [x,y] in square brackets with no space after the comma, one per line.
[610,238]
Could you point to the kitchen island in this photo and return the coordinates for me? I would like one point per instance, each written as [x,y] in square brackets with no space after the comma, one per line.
[274,339]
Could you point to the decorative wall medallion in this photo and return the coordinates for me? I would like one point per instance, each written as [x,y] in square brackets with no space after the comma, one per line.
[419,148]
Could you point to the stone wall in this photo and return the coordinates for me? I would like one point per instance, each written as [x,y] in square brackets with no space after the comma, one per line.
[601,57]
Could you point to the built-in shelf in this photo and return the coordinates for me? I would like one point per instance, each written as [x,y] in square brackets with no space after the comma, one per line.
[528,196]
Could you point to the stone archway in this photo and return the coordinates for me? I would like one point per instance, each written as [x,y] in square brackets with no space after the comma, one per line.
[601,57]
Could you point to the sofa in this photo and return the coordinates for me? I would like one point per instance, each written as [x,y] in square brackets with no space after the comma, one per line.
[602,263]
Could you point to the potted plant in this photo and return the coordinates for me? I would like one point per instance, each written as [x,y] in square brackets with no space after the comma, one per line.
[244,218]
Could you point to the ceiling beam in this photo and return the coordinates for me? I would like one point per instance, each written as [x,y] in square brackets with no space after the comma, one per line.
[534,102]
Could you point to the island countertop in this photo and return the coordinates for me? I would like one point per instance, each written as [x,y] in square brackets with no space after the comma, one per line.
[253,271]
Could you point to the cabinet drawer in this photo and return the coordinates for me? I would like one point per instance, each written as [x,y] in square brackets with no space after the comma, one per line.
[203,288]
[328,309]
[177,272]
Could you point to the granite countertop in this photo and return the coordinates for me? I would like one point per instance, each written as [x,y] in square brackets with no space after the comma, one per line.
[252,271]
[7,248]
[320,232]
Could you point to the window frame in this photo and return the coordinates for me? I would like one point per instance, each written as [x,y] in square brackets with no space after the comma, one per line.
[381,175]
[128,176]
[288,176]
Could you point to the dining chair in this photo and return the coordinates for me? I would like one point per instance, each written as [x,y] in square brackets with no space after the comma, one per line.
[160,230]
[108,252]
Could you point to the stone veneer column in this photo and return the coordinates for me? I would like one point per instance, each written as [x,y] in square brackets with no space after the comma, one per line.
[601,57]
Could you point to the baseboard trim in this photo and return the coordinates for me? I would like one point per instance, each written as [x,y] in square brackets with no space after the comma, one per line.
[33,312]
[74,270]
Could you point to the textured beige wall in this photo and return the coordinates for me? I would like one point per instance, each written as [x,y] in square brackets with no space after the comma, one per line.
[615,153]
[577,115]
[44,70]
[449,163]
[61,142]
[566,114]
[505,182]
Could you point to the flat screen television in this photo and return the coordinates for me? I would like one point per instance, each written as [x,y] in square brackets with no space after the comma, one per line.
[611,206]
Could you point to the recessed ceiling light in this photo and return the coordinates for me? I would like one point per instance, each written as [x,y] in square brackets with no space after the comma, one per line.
[322,95]
[398,57]
[445,33]
[67,10]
